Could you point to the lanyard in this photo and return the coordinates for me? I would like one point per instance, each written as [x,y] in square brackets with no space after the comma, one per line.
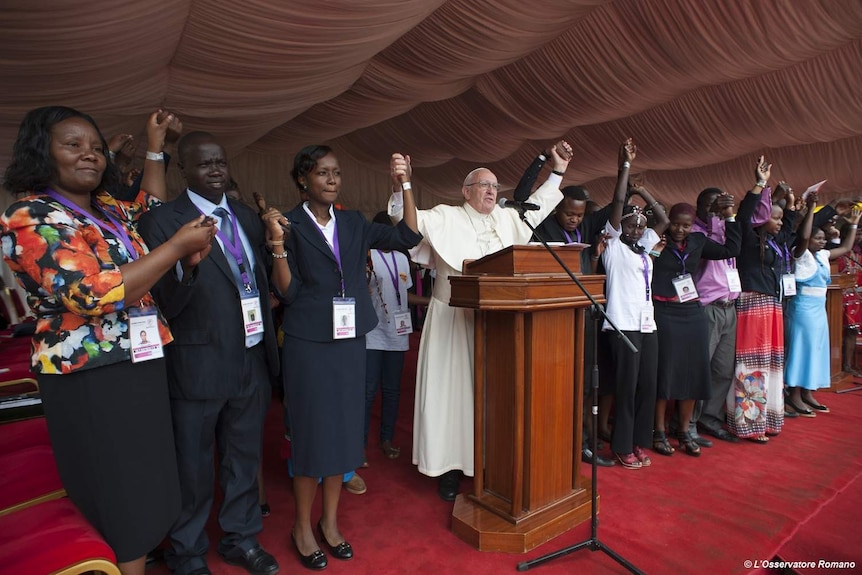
[234,248]
[681,256]
[392,275]
[336,250]
[646,274]
[780,251]
[113,227]
[569,238]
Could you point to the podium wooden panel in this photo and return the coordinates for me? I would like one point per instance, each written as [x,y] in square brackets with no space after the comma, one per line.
[528,384]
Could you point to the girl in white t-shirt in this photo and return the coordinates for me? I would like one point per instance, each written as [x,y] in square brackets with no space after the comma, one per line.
[627,261]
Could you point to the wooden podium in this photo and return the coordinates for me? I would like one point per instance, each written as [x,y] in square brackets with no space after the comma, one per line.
[528,382]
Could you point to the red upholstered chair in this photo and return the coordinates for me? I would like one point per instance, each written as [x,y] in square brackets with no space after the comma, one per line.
[53,537]
[23,434]
[15,375]
[30,477]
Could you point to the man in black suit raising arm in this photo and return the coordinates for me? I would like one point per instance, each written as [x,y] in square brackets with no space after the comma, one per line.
[219,364]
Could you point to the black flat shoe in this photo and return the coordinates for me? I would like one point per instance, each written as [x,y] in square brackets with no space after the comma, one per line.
[265,510]
[341,551]
[316,561]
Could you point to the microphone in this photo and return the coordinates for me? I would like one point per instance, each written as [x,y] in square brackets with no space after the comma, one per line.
[520,206]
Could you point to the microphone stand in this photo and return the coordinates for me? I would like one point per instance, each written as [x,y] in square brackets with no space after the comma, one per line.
[597,313]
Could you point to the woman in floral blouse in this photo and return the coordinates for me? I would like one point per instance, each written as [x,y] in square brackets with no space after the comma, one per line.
[87,273]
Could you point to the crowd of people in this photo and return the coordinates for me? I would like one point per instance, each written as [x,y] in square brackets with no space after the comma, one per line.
[166,322]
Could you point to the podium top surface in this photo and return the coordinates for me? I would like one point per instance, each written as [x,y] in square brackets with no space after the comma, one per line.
[527,260]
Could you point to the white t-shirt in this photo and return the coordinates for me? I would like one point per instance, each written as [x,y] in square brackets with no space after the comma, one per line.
[389,268]
[628,286]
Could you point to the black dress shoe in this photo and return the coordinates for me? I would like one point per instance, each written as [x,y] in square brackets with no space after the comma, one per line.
[265,510]
[702,441]
[256,561]
[341,551]
[587,457]
[722,434]
[315,561]
[448,488]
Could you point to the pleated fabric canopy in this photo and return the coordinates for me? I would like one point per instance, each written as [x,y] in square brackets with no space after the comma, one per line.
[703,87]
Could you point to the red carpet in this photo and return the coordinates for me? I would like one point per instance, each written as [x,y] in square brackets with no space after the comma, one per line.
[736,503]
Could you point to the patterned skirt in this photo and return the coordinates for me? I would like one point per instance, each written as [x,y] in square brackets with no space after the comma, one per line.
[755,403]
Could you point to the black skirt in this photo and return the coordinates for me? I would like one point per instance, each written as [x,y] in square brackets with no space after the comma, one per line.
[113,441]
[683,350]
[324,388]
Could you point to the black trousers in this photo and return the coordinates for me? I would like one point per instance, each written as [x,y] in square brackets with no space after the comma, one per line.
[636,375]
[235,427]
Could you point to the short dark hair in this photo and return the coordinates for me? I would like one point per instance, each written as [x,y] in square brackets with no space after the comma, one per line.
[32,169]
[382,218]
[192,140]
[701,197]
[305,160]
[577,193]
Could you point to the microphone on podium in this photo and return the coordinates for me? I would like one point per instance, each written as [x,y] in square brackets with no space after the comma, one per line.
[520,206]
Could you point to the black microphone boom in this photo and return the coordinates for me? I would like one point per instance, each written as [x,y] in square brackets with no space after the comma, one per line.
[520,206]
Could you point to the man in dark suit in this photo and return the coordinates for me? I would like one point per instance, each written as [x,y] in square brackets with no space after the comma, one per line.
[219,364]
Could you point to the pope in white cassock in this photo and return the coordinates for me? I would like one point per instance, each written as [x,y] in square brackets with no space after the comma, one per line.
[443,412]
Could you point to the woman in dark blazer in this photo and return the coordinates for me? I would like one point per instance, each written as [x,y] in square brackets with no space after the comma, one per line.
[319,272]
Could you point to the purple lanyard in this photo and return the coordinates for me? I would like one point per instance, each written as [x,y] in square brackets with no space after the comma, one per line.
[569,238]
[392,276]
[780,251]
[646,275]
[114,228]
[234,247]
[336,250]
[681,256]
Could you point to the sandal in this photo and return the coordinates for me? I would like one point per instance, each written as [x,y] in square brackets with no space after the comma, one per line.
[660,444]
[815,406]
[389,450]
[802,411]
[761,439]
[687,444]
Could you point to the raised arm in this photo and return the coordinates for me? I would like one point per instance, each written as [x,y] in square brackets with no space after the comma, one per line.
[804,231]
[626,156]
[850,236]
[733,236]
[401,173]
[661,219]
[153,180]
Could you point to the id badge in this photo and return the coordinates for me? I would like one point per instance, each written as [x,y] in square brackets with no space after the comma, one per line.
[252,318]
[647,321]
[403,323]
[788,285]
[733,283]
[684,287]
[343,317]
[144,334]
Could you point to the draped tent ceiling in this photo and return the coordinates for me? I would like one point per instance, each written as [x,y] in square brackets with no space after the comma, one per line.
[703,86]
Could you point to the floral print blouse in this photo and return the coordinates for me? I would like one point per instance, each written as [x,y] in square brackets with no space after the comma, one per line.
[70,268]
